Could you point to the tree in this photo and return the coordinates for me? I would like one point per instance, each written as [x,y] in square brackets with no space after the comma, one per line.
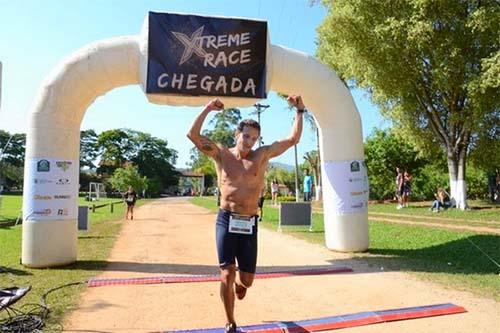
[384,151]
[12,148]
[154,160]
[89,150]
[225,123]
[151,155]
[116,149]
[314,164]
[12,153]
[309,119]
[129,176]
[282,175]
[433,67]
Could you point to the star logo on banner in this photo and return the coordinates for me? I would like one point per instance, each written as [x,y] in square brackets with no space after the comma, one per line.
[191,44]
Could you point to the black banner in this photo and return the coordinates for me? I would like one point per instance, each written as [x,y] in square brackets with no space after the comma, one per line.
[197,55]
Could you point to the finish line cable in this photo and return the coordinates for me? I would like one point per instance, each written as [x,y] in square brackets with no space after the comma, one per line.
[33,320]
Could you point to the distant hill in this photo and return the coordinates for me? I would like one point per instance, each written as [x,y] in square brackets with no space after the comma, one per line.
[279,165]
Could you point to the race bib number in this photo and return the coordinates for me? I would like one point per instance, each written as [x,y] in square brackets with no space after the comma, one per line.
[241,224]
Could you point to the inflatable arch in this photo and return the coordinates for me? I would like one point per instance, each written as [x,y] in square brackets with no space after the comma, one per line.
[52,148]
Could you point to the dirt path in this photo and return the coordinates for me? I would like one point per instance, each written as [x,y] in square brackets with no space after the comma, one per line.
[175,237]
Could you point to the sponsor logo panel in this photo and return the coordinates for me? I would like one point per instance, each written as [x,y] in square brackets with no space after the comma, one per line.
[42,197]
[43,166]
[63,165]
[63,181]
[42,212]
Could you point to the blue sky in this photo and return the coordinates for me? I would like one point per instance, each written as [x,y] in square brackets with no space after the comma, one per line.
[36,35]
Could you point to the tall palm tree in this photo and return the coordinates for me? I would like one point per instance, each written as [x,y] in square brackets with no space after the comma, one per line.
[314,159]
[316,165]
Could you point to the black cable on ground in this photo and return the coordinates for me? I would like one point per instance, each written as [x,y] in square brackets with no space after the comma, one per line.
[33,320]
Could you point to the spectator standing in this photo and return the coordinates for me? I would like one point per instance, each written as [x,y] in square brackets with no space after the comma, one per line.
[399,188]
[260,204]
[407,177]
[492,185]
[308,184]
[274,192]
[497,198]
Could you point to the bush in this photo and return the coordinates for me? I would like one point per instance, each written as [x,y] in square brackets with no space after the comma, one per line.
[288,198]
[477,183]
[427,180]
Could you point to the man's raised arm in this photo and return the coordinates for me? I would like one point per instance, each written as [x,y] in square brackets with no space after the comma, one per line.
[207,146]
[279,147]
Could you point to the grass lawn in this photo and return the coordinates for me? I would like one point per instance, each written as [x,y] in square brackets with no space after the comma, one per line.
[10,206]
[94,246]
[445,256]
[479,212]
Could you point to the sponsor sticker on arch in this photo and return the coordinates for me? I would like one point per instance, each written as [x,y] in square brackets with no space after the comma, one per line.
[52,189]
[347,186]
[199,55]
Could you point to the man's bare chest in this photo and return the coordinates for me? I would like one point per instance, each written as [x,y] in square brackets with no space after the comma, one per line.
[235,169]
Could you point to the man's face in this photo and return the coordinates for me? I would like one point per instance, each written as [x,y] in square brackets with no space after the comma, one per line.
[246,139]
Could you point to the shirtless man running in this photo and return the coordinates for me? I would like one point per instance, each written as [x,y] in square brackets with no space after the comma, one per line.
[240,172]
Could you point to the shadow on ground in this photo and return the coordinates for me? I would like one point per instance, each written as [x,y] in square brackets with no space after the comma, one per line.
[165,268]
[462,256]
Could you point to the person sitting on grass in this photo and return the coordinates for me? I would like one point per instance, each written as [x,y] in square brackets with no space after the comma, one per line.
[442,200]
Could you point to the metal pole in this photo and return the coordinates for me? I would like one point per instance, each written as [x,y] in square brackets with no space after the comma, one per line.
[259,109]
[296,175]
[258,120]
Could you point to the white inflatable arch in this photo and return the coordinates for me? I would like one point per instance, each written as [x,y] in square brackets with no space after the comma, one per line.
[50,239]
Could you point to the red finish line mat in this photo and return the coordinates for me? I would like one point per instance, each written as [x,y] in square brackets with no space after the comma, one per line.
[211,277]
[342,321]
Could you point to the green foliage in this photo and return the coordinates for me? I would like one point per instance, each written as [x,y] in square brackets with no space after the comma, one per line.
[116,148]
[13,152]
[313,163]
[128,176]
[89,150]
[224,124]
[154,161]
[431,66]
[12,147]
[486,147]
[283,176]
[286,198]
[94,247]
[154,185]
[151,155]
[444,256]
[477,183]
[384,151]
[427,180]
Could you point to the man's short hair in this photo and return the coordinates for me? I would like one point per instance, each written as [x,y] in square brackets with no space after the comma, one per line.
[248,122]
